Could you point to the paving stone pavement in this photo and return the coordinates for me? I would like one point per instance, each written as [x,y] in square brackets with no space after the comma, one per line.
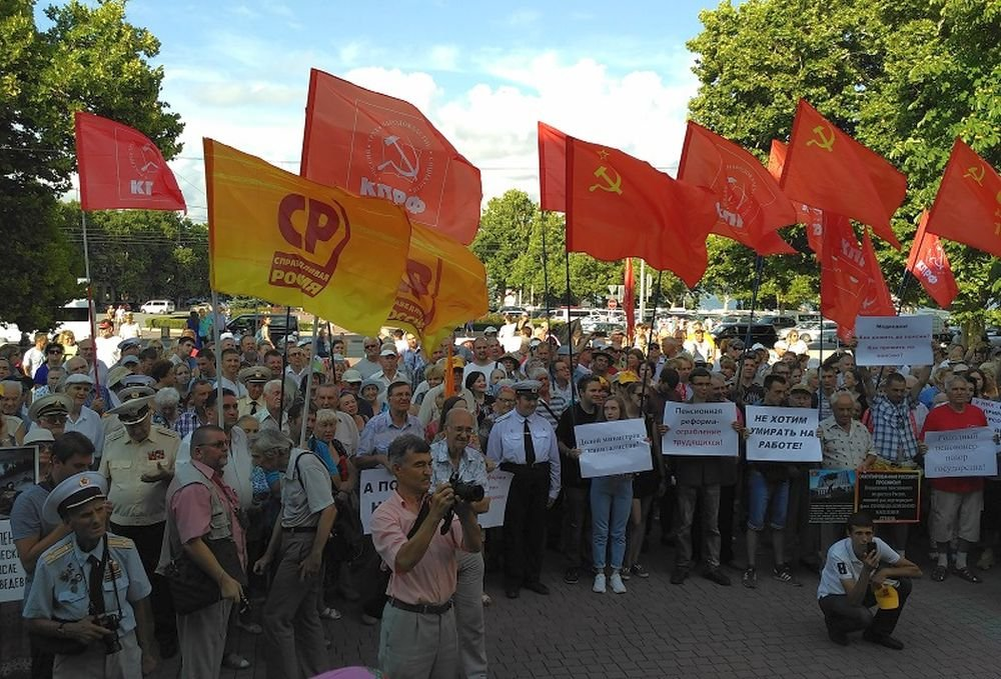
[700,629]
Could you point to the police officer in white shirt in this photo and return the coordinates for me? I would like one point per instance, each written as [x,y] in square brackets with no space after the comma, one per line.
[862,571]
[524,443]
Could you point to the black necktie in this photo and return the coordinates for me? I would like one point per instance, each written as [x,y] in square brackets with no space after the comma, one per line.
[253,407]
[529,446]
[96,593]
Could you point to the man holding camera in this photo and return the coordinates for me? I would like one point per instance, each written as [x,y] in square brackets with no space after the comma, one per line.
[862,571]
[465,469]
[418,636]
[90,587]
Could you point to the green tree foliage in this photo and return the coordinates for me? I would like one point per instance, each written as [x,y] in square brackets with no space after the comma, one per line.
[510,245]
[85,58]
[904,78]
[138,255]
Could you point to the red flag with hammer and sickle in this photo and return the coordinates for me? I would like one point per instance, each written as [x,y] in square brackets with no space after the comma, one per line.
[375,145]
[827,169]
[552,169]
[811,218]
[619,206]
[930,265]
[967,208]
[843,276]
[749,203]
[877,300]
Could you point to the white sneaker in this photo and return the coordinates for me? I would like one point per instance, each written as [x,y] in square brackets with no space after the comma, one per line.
[599,583]
[616,582]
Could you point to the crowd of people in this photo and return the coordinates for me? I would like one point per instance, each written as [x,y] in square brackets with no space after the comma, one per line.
[186,483]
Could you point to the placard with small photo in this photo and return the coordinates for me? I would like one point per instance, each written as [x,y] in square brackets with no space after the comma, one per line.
[18,471]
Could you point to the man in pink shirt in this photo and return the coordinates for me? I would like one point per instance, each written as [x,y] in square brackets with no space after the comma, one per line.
[418,637]
[202,524]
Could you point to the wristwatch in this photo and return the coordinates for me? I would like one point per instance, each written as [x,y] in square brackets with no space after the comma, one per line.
[61,630]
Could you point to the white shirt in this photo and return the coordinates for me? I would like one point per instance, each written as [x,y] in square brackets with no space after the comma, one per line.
[107,349]
[32,361]
[485,369]
[89,424]
[236,473]
[842,564]
[237,388]
[130,331]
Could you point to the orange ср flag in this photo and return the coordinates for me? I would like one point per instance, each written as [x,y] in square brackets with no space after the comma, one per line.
[121,168]
[279,237]
[843,276]
[827,169]
[877,300]
[619,206]
[810,217]
[444,285]
[967,207]
[552,169]
[930,265]
[629,298]
[749,203]
[376,145]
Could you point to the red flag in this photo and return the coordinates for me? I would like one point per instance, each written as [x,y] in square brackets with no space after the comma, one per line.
[629,298]
[877,300]
[749,203]
[929,264]
[827,169]
[552,169]
[619,206]
[967,208]
[120,168]
[375,145]
[810,217]
[843,276]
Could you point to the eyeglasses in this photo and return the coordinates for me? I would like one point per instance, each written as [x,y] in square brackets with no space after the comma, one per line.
[508,401]
[54,351]
[371,346]
[219,445]
[54,419]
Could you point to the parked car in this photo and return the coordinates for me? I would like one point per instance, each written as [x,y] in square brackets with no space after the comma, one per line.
[157,306]
[512,310]
[761,333]
[247,324]
[782,324]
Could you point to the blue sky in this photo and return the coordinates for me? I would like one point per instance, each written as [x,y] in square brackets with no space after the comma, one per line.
[483,72]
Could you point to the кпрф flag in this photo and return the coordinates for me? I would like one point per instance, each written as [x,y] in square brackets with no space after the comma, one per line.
[120,168]
[375,145]
[930,265]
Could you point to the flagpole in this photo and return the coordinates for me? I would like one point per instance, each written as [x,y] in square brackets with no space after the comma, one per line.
[281,402]
[573,398]
[216,342]
[759,265]
[646,364]
[91,307]
[545,278]
[309,383]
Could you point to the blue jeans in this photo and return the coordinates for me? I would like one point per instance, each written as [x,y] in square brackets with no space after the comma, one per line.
[611,504]
[761,493]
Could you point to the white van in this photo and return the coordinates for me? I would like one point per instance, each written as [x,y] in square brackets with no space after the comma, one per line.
[157,306]
[74,316]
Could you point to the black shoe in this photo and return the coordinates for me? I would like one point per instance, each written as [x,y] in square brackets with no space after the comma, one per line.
[883,640]
[679,575]
[512,592]
[717,576]
[837,636]
[571,576]
[536,587]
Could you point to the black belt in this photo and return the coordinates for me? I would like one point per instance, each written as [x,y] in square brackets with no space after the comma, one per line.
[433,609]
[300,529]
[514,468]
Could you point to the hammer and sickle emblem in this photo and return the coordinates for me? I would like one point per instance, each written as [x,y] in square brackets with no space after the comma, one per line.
[976,174]
[822,141]
[609,185]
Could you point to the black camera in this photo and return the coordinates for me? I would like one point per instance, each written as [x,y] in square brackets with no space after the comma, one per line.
[467,492]
[110,621]
[870,548]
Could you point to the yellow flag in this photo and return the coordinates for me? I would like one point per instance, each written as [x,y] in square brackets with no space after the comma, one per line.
[444,285]
[282,238]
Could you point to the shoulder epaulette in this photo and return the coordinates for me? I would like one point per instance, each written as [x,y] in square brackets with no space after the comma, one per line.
[116,434]
[119,542]
[57,551]
[503,417]
[169,433]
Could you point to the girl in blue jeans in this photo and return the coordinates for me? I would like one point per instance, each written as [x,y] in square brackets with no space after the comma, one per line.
[611,504]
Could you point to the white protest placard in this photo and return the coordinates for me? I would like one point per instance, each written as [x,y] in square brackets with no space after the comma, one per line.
[893,340]
[700,429]
[378,484]
[782,435]
[618,447]
[992,409]
[11,573]
[961,452]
